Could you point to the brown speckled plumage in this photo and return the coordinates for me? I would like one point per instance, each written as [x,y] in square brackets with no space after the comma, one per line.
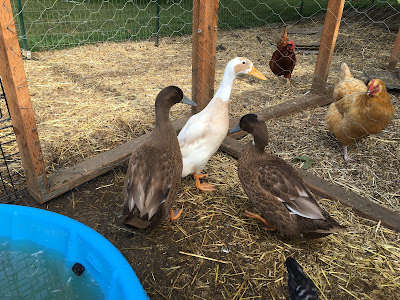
[154,170]
[277,190]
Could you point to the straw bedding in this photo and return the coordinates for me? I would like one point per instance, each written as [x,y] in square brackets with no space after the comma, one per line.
[92,98]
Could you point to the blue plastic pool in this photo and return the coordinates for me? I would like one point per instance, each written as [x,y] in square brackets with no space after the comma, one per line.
[78,243]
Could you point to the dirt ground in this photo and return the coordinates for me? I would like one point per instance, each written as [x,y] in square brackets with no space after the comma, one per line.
[213,252]
[92,98]
[242,260]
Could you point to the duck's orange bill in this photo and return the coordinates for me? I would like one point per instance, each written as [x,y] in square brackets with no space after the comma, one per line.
[254,72]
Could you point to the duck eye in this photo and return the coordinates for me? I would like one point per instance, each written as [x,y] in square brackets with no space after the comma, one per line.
[244,62]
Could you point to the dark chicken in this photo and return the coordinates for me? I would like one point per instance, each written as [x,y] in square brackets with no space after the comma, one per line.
[283,59]
[301,287]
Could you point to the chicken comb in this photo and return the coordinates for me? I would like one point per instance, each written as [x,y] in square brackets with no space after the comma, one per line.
[284,36]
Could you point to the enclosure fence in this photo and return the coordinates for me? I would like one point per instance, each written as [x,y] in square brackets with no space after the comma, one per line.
[91,103]
[361,33]
[11,172]
[53,24]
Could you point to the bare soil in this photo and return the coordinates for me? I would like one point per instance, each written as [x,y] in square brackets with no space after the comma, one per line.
[92,98]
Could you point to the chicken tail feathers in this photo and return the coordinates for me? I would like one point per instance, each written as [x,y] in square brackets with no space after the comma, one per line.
[344,72]
[300,286]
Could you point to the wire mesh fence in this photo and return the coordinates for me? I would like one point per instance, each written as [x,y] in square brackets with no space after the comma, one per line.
[123,78]
[52,24]
[11,173]
[90,98]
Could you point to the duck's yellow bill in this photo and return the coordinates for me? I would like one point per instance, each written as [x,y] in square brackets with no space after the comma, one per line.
[254,72]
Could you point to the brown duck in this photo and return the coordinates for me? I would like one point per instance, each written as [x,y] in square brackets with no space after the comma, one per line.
[277,190]
[155,168]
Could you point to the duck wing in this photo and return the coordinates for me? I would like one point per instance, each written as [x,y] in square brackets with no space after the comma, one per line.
[193,134]
[282,181]
[148,181]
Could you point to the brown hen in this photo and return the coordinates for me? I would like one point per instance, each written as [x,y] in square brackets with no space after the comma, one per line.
[283,59]
[358,110]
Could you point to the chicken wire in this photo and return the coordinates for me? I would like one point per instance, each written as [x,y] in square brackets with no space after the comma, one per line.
[90,98]
[107,75]
[53,24]
[11,175]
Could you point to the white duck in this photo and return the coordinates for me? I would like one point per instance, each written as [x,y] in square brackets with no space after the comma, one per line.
[204,132]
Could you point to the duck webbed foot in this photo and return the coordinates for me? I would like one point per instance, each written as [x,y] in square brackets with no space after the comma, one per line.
[174,214]
[203,186]
[258,217]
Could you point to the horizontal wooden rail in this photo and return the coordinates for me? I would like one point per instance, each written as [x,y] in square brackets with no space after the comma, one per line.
[65,180]
[292,106]
[361,206]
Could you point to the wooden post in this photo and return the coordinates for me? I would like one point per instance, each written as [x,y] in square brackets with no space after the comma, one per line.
[327,44]
[204,48]
[394,58]
[16,89]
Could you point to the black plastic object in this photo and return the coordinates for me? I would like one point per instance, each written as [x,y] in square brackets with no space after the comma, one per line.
[78,269]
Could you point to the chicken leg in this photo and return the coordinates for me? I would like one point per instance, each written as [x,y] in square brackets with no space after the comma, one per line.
[346,156]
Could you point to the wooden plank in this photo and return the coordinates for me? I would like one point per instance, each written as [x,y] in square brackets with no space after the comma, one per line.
[195,51]
[65,180]
[361,206]
[204,31]
[292,106]
[389,77]
[16,89]
[395,56]
[327,44]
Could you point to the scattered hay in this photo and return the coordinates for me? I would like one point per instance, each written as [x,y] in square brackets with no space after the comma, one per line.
[213,252]
[89,99]
[362,262]
[92,98]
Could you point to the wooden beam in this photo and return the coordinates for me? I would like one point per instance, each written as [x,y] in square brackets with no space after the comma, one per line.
[361,206]
[327,44]
[65,180]
[204,47]
[292,106]
[395,56]
[16,89]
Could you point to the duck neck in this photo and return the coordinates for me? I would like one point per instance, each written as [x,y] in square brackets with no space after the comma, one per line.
[162,116]
[225,87]
[259,143]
